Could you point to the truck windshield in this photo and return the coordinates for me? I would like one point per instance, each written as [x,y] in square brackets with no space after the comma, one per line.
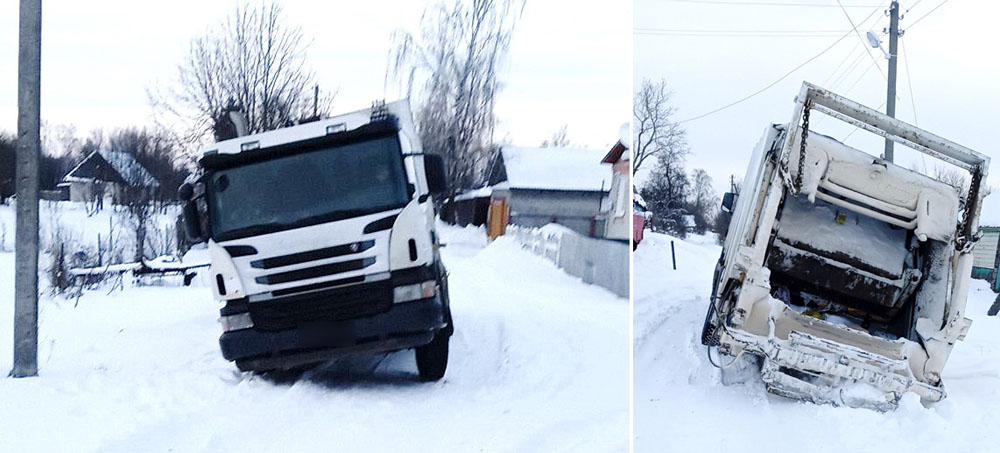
[307,188]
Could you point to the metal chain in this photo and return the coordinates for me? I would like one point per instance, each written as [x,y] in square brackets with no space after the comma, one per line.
[966,240]
[802,147]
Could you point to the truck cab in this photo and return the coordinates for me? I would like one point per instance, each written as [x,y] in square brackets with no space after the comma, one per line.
[322,242]
[843,274]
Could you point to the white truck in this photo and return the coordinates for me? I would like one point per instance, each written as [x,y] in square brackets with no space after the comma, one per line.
[844,276]
[322,242]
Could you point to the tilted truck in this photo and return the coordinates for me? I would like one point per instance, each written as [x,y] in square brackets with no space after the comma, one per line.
[322,242]
[846,276]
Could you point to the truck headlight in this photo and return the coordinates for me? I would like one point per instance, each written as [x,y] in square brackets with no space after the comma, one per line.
[415,291]
[236,322]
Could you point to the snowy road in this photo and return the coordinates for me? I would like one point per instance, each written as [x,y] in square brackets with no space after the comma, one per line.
[539,362]
[680,405]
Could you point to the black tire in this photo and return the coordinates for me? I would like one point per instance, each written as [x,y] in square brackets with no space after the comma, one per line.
[432,359]
[709,331]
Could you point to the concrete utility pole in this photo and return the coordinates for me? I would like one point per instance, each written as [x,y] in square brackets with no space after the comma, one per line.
[29,64]
[890,102]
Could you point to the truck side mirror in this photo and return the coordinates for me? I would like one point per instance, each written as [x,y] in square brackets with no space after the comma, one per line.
[192,223]
[436,174]
[727,202]
[192,217]
[185,192]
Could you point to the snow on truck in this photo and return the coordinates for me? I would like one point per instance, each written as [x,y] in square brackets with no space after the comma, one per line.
[843,275]
[322,242]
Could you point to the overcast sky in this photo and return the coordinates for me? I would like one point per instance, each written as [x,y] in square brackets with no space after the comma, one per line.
[952,57]
[570,60]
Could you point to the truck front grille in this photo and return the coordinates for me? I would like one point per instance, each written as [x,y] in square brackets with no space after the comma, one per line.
[315,271]
[331,305]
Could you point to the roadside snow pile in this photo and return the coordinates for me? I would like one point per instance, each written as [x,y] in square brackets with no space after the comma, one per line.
[680,404]
[539,362]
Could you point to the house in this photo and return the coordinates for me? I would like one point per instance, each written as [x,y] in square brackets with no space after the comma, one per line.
[616,216]
[689,223]
[468,207]
[535,186]
[986,255]
[640,216]
[104,175]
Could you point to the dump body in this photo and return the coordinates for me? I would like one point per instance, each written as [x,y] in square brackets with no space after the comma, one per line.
[847,274]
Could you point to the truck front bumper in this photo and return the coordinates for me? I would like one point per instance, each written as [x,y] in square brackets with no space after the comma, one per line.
[404,325]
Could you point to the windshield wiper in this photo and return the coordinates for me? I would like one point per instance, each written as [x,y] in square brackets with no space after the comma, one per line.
[336,215]
[253,230]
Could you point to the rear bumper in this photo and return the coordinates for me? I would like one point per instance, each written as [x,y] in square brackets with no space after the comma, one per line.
[819,370]
[404,325]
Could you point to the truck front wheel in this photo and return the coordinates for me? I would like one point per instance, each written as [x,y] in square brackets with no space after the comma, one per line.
[432,359]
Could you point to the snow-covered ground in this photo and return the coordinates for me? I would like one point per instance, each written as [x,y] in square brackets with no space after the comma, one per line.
[680,404]
[539,362]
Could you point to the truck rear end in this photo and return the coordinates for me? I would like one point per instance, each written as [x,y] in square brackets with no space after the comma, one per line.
[847,275]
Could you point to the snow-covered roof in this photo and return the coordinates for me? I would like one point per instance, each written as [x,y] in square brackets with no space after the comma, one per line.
[130,169]
[482,192]
[556,168]
[637,200]
[126,169]
[989,215]
[689,221]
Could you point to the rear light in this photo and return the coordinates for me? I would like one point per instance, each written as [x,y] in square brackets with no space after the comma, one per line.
[416,291]
[236,322]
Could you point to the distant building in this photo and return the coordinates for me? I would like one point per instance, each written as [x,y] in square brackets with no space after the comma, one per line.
[689,223]
[617,215]
[104,176]
[986,255]
[537,186]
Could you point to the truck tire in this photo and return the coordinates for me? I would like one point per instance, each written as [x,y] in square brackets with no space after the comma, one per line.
[709,334]
[432,359]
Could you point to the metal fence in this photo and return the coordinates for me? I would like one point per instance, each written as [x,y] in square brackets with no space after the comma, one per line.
[596,261]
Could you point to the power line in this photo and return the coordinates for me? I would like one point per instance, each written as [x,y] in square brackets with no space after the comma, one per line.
[914,5]
[860,38]
[723,2]
[849,70]
[738,33]
[734,35]
[909,82]
[770,84]
[854,61]
[693,30]
[927,14]
[850,56]
[765,88]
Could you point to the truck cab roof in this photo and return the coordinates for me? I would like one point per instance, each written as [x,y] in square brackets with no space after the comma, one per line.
[399,110]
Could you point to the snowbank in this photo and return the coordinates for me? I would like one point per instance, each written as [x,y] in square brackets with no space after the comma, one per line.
[680,404]
[539,362]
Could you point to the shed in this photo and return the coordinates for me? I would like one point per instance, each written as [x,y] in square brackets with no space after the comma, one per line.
[538,186]
[104,174]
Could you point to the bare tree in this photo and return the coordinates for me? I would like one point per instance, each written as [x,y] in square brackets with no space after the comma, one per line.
[703,199]
[655,132]
[253,62]
[558,140]
[454,65]
[666,192]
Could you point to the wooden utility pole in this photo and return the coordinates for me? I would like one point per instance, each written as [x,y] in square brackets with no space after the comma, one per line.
[29,64]
[890,102]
